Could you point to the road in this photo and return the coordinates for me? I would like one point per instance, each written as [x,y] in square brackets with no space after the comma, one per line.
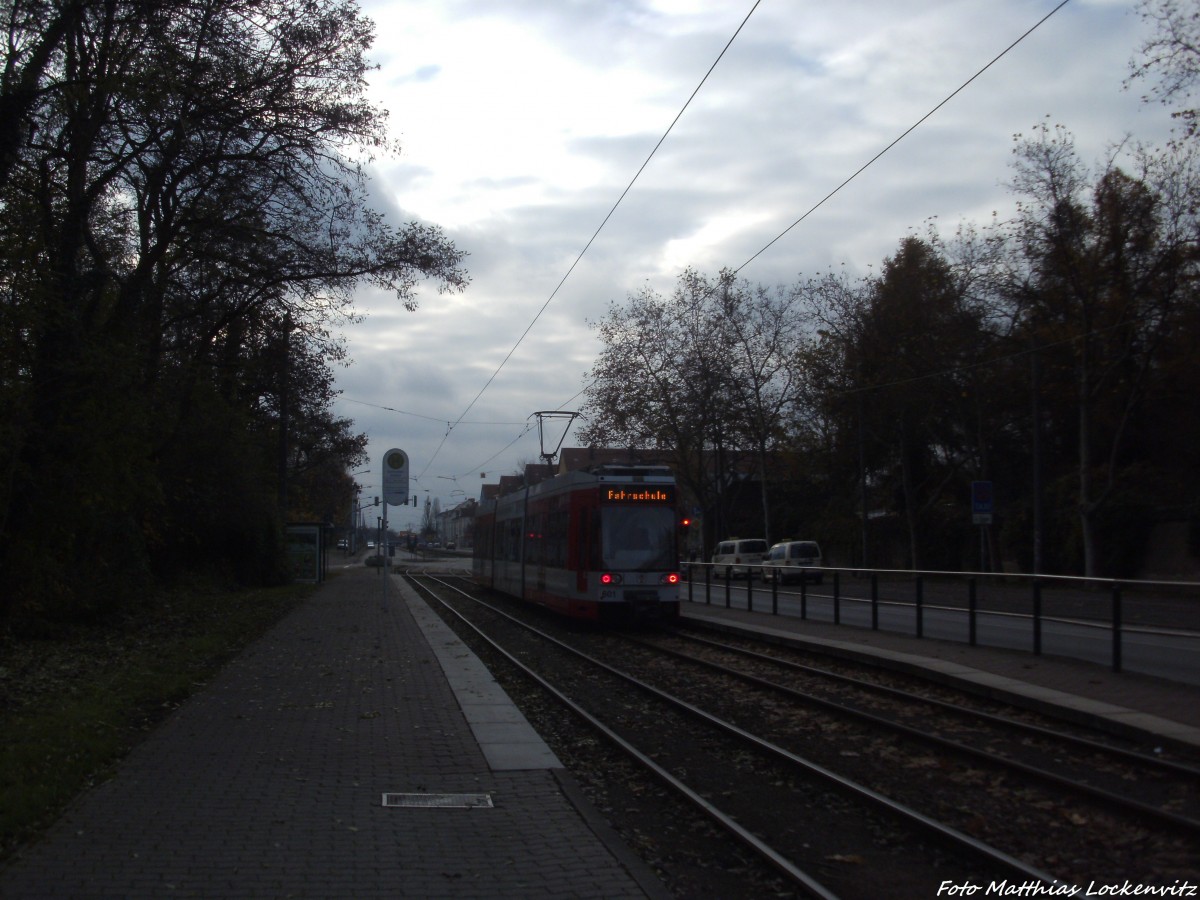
[1159,636]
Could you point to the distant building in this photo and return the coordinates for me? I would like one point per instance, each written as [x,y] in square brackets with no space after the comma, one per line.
[457,525]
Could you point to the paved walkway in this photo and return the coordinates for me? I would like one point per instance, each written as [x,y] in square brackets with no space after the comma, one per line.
[270,782]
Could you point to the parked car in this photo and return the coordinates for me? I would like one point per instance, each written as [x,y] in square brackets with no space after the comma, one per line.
[788,561]
[739,557]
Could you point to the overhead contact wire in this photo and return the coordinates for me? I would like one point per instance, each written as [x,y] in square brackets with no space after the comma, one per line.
[777,237]
[595,234]
[907,132]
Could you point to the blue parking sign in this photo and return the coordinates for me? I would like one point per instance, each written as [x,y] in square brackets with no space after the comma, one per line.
[982,504]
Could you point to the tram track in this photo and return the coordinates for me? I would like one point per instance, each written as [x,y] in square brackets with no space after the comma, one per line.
[1109,735]
[1161,792]
[827,834]
[1128,744]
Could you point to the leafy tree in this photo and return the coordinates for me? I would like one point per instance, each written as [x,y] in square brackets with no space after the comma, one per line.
[1107,278]
[37,31]
[182,202]
[893,366]
[825,425]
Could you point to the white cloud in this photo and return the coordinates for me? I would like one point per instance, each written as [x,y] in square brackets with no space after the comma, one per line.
[522,122]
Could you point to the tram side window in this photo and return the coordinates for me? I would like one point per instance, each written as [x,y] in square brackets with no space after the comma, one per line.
[511,541]
[535,531]
[556,539]
[582,551]
[595,552]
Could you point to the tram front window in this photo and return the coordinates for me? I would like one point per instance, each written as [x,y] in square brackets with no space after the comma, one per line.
[638,538]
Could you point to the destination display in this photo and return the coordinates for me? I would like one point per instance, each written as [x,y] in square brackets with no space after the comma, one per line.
[663,494]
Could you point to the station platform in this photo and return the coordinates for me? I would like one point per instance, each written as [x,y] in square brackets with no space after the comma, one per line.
[1129,704]
[358,750]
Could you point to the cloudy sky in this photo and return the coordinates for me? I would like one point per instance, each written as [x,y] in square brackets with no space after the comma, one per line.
[522,121]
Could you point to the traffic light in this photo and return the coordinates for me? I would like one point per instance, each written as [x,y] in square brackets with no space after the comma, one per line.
[685,523]
[376,501]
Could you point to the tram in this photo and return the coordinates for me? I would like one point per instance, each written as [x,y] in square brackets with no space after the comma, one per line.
[599,544]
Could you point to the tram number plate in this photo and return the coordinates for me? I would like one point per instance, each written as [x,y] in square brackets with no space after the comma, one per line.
[641,596]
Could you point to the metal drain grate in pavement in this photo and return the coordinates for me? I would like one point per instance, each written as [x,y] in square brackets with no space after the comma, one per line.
[439,801]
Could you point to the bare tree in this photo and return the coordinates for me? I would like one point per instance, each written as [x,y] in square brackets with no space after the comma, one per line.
[1172,56]
[763,331]
[662,382]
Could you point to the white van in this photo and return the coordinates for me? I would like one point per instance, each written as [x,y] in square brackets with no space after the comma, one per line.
[787,561]
[739,557]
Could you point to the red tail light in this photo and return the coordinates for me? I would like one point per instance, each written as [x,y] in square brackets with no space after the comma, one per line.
[610,578]
[672,578]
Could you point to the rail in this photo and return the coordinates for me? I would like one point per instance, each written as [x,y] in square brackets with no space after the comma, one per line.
[911,600]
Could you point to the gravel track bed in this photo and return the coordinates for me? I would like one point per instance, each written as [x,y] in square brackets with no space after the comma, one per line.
[1074,838]
[1138,780]
[924,687]
[1070,839]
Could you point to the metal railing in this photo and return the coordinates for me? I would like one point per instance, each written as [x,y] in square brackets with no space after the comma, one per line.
[956,603]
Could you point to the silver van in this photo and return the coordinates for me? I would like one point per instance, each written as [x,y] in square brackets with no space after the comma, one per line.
[739,557]
[788,561]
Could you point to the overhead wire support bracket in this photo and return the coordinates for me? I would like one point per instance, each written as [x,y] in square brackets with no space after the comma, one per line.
[542,416]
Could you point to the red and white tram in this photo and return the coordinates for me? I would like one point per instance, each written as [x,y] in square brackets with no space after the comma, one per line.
[597,544]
